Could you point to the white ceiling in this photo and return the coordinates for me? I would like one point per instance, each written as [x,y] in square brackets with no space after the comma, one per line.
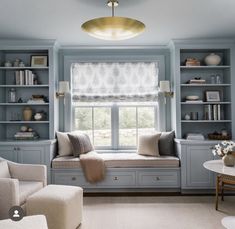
[164,19]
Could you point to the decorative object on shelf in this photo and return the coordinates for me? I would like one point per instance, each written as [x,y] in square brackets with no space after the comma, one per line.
[195,136]
[224,132]
[27,114]
[21,64]
[197,80]
[23,128]
[165,88]
[212,59]
[39,116]
[20,100]
[194,115]
[218,136]
[26,133]
[39,61]
[213,112]
[192,62]
[192,97]
[17,62]
[218,79]
[225,150]
[12,95]
[212,96]
[213,79]
[37,99]
[187,117]
[113,28]
[63,89]
[8,64]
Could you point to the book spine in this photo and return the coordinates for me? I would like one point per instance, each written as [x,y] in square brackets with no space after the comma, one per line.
[215,112]
[21,77]
[209,112]
[219,111]
[17,77]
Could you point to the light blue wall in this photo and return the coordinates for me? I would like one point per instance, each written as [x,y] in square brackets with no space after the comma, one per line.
[114,52]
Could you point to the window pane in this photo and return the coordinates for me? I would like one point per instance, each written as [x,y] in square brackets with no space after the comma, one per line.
[102,126]
[127,126]
[146,116]
[83,120]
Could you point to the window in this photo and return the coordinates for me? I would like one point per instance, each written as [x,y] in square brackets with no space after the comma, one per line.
[114,103]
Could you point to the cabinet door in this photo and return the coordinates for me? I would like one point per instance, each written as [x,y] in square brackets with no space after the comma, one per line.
[8,153]
[31,154]
[197,176]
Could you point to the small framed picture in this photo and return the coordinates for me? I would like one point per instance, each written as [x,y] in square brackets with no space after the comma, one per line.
[212,96]
[39,61]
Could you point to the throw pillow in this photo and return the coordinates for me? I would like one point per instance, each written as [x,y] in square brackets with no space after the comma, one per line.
[64,145]
[148,144]
[4,170]
[166,144]
[80,143]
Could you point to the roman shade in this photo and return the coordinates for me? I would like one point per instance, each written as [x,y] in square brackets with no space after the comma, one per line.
[115,82]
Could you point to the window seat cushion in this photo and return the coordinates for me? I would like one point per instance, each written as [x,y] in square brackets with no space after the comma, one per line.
[120,160]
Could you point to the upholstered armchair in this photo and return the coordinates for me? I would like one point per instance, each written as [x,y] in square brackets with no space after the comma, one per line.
[18,182]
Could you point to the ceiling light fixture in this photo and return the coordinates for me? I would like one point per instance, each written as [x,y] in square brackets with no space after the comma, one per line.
[113,28]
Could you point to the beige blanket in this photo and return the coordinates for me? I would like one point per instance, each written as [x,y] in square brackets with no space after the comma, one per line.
[93,166]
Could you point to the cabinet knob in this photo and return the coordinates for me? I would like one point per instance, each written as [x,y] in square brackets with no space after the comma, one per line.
[18,148]
[157,178]
[115,178]
[73,178]
[14,148]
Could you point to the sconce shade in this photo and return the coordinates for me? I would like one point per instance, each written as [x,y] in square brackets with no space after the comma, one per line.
[165,86]
[63,87]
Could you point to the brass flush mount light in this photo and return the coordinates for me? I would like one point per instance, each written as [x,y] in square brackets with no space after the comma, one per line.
[113,28]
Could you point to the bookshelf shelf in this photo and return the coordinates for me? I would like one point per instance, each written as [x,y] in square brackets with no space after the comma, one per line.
[206,67]
[205,121]
[204,103]
[205,85]
[29,86]
[24,68]
[24,104]
[23,122]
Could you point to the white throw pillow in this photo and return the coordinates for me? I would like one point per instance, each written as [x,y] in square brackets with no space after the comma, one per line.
[4,170]
[148,144]
[64,145]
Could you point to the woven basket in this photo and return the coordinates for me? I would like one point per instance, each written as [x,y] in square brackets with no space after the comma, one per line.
[218,137]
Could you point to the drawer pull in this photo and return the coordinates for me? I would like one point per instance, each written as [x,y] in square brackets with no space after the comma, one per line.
[115,178]
[157,178]
[73,178]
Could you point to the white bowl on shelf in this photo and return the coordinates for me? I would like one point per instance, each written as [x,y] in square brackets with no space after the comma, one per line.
[192,97]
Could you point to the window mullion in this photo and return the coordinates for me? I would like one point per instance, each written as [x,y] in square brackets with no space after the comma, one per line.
[93,126]
[137,125]
[115,126]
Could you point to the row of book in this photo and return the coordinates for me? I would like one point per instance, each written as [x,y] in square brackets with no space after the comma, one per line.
[26,77]
[213,112]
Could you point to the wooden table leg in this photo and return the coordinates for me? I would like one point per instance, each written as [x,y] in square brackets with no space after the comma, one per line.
[217,192]
[222,190]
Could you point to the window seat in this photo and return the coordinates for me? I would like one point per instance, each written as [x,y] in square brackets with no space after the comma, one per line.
[120,160]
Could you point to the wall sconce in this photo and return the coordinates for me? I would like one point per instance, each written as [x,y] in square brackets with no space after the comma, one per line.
[165,88]
[63,89]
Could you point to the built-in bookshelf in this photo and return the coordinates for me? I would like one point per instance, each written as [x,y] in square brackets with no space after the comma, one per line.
[34,88]
[202,115]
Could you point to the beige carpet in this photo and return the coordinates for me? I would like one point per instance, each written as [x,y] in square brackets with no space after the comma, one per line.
[157,212]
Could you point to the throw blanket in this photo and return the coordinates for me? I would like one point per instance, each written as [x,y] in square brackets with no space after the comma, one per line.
[93,166]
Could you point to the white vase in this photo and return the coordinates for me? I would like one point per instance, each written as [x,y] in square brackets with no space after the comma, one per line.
[212,59]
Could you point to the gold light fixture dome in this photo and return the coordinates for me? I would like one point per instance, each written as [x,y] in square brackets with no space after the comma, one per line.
[113,28]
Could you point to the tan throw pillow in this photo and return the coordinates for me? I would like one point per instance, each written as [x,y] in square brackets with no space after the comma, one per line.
[64,144]
[4,170]
[80,143]
[148,144]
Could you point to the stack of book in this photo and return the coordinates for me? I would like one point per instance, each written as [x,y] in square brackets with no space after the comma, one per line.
[26,135]
[25,77]
[197,81]
[192,62]
[213,112]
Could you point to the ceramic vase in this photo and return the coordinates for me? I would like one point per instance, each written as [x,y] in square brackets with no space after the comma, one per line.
[27,114]
[212,59]
[229,160]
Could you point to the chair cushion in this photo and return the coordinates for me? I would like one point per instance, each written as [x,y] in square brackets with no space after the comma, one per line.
[4,170]
[27,188]
[120,160]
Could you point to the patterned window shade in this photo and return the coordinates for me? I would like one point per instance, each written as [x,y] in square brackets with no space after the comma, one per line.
[111,82]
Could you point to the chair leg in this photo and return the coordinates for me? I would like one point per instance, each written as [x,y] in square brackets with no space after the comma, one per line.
[217,192]
[222,191]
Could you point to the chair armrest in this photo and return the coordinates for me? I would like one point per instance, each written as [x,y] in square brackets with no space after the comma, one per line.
[28,172]
[9,195]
